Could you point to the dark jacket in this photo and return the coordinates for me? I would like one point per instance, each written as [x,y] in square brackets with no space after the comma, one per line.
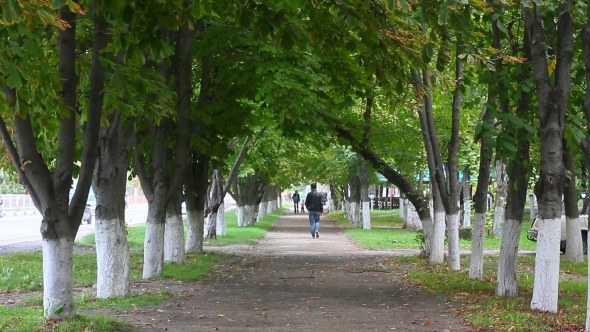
[313,201]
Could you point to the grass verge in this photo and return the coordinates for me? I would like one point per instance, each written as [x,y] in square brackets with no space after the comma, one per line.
[478,303]
[387,233]
[23,273]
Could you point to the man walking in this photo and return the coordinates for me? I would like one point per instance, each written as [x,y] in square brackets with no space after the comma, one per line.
[313,202]
[296,200]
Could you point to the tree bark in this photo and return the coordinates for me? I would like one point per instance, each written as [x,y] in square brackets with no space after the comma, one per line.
[574,251]
[197,177]
[500,198]
[552,100]
[174,251]
[355,198]
[585,144]
[516,190]
[364,193]
[483,180]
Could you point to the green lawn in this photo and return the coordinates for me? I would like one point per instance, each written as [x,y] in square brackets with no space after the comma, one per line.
[386,233]
[23,273]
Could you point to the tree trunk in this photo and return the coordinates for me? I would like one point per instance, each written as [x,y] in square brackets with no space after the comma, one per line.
[466,191]
[585,144]
[110,178]
[500,199]
[437,247]
[552,102]
[58,279]
[153,246]
[517,195]
[174,233]
[574,252]
[197,177]
[221,228]
[210,226]
[194,230]
[364,193]
[248,194]
[516,191]
[354,202]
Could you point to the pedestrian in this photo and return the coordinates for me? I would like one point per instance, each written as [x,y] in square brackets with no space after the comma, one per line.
[302,207]
[313,202]
[296,200]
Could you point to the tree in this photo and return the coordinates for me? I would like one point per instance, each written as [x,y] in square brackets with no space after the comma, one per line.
[48,177]
[552,99]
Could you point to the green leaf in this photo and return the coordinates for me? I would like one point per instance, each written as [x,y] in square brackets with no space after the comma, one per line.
[404,4]
[350,21]
[12,11]
[501,26]
[390,4]
[508,146]
[287,41]
[14,79]
[59,309]
[442,18]
[58,3]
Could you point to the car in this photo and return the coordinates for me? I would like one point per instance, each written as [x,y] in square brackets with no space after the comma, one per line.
[533,232]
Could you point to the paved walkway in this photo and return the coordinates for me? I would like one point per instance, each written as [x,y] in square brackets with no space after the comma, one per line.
[289,281]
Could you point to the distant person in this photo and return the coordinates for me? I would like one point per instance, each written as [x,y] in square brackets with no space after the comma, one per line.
[313,202]
[302,207]
[296,200]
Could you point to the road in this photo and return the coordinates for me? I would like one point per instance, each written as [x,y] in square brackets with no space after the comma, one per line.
[19,229]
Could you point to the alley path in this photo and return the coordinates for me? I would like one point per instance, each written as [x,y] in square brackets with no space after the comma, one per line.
[289,281]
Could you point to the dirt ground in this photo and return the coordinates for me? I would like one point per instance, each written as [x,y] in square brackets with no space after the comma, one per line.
[289,281]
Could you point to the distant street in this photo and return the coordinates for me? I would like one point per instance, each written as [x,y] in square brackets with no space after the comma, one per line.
[26,228]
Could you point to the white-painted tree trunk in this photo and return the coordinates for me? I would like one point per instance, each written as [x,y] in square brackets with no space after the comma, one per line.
[220,228]
[546,285]
[499,213]
[588,303]
[271,206]
[532,212]
[437,252]
[112,258]
[58,278]
[246,215]
[366,215]
[210,225]
[506,284]
[428,229]
[346,208]
[453,236]
[262,210]
[355,216]
[467,213]
[402,210]
[574,252]
[194,231]
[174,240]
[153,250]
[477,243]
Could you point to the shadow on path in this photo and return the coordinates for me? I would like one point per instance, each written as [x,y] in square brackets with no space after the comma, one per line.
[289,281]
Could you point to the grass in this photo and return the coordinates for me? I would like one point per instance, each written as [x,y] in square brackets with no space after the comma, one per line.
[387,233]
[488,312]
[476,299]
[19,319]
[250,234]
[23,273]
